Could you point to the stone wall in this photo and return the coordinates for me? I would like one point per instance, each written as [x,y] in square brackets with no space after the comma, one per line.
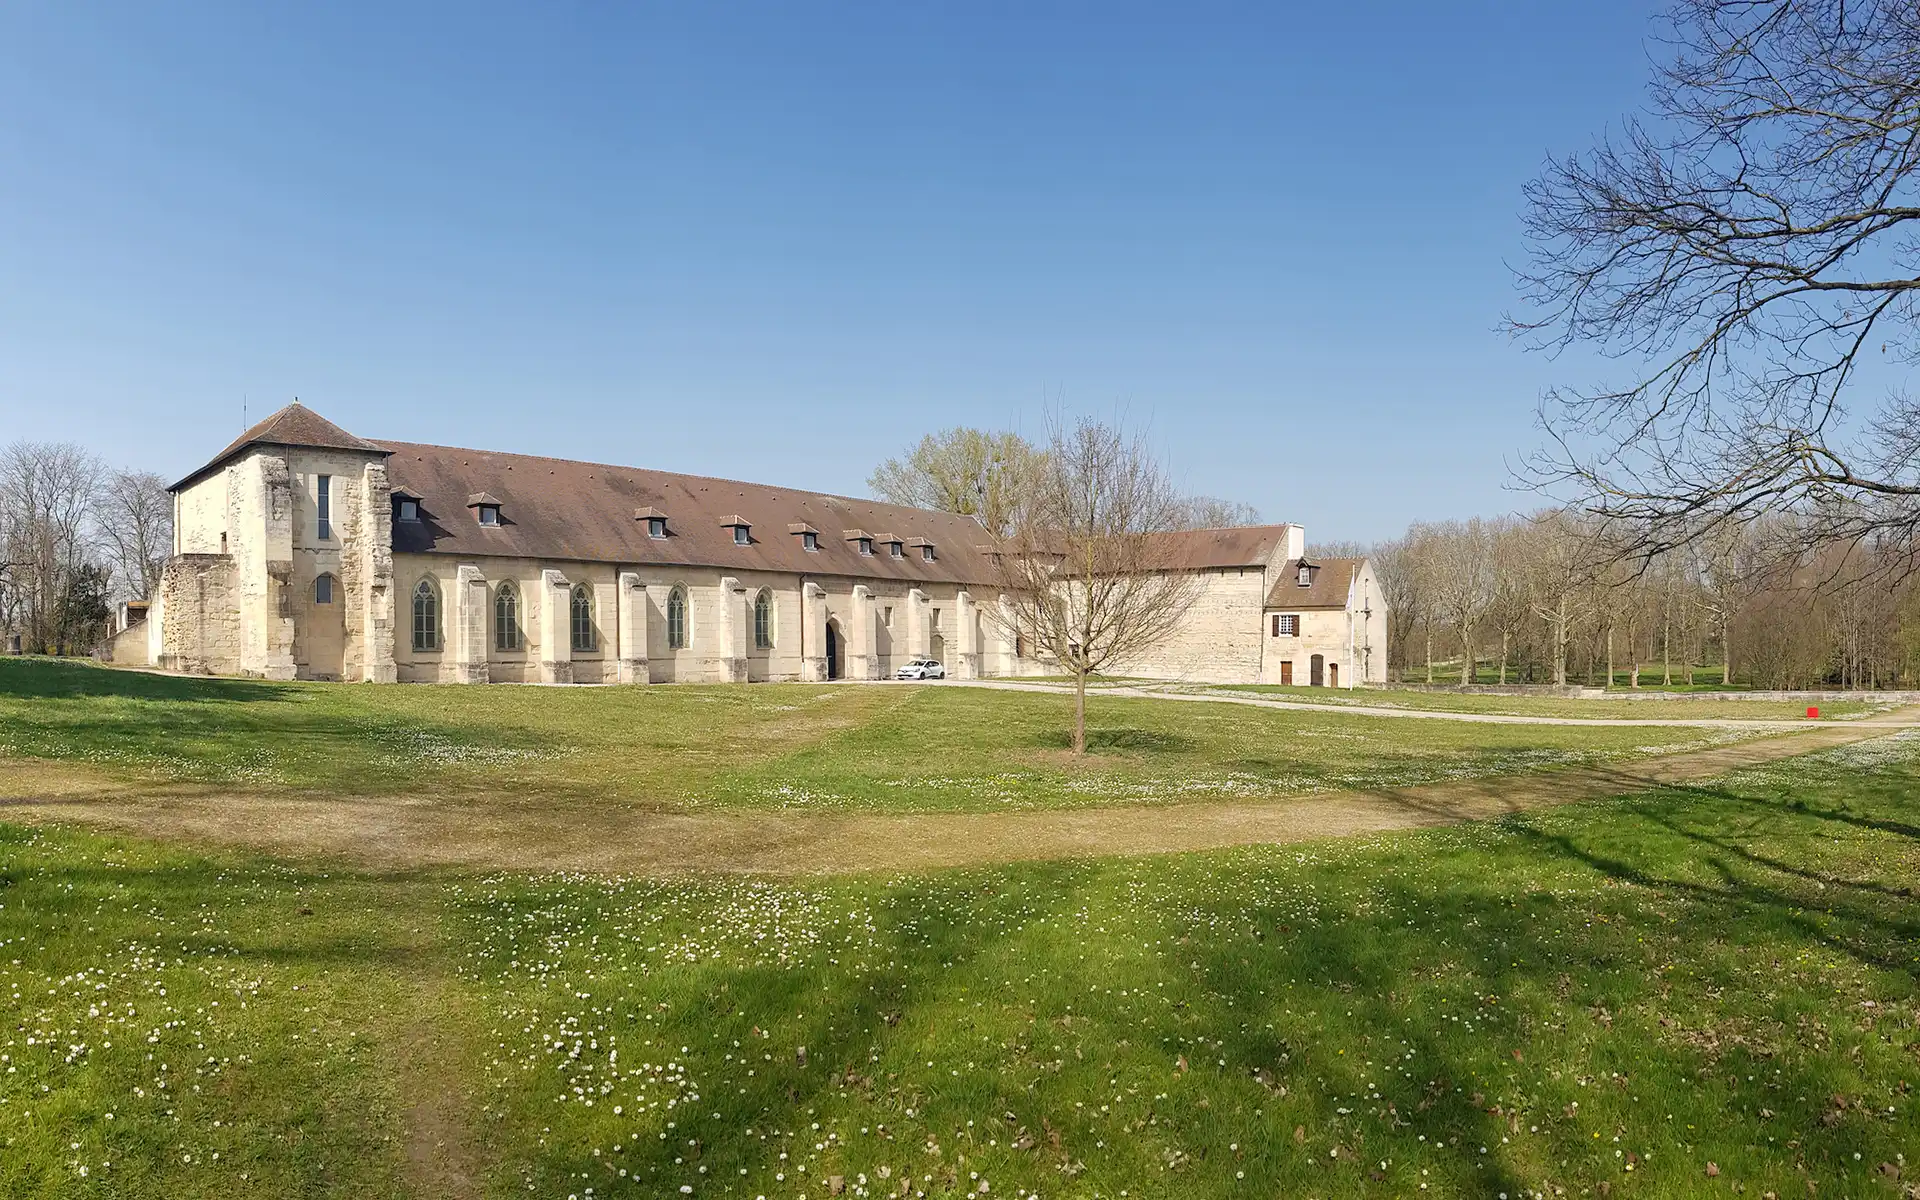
[261,512]
[197,615]
[127,647]
[1218,640]
[1353,639]
[881,625]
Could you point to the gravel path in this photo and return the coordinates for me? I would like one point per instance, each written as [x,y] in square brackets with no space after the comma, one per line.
[1255,700]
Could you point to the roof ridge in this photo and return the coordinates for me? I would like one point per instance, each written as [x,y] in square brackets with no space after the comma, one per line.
[743,483]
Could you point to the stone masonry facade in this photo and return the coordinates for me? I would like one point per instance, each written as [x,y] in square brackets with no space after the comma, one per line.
[304,552]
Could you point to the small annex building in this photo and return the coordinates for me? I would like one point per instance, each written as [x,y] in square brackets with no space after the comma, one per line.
[302,551]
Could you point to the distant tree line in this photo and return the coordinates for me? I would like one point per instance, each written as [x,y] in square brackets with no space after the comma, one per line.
[1563,598]
[75,536]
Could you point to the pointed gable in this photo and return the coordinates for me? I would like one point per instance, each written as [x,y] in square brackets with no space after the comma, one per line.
[294,425]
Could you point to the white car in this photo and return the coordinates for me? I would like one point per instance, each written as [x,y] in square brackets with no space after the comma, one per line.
[921,668]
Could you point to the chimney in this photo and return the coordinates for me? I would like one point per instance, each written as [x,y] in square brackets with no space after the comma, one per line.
[1296,541]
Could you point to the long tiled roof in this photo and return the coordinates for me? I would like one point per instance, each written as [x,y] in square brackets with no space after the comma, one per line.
[560,509]
[568,511]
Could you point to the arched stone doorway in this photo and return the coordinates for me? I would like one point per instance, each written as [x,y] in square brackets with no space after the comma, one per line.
[834,651]
[1317,670]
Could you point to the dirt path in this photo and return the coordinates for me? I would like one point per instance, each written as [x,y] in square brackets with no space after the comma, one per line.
[440,1142]
[1255,700]
[405,831]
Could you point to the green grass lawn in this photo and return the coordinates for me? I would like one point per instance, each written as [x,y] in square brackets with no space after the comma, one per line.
[1688,708]
[782,746]
[1671,994]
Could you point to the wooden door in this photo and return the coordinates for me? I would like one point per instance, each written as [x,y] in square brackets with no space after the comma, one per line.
[1286,673]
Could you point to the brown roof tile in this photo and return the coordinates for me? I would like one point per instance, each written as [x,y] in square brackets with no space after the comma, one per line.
[1332,584]
[294,425]
[564,510]
[575,511]
[1241,546]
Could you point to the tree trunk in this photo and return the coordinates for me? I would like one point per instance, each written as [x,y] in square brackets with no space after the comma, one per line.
[1080,712]
[1666,646]
[1506,646]
[1726,651]
[1429,652]
[1560,645]
[1609,654]
[1466,655]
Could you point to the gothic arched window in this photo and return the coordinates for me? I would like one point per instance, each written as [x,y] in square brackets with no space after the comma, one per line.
[506,618]
[677,618]
[582,617]
[426,617]
[763,620]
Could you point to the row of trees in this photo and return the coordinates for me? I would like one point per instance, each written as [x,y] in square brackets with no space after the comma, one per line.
[1557,597]
[75,535]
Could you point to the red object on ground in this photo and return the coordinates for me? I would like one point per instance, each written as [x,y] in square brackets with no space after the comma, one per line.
[1813,714]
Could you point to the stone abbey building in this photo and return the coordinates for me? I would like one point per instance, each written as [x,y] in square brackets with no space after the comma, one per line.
[304,552]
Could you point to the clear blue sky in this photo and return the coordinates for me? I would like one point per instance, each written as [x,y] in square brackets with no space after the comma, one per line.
[780,242]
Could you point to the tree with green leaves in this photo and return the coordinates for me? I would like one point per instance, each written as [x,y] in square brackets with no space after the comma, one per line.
[968,471]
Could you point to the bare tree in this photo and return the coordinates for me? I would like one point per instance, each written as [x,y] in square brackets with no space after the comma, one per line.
[1559,568]
[1509,602]
[967,471]
[49,491]
[134,516]
[1403,585]
[1464,582]
[1748,246]
[1211,512]
[1088,567]
[1337,549]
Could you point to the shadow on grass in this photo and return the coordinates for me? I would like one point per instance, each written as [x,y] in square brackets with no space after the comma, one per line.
[324,736]
[1123,740]
[59,679]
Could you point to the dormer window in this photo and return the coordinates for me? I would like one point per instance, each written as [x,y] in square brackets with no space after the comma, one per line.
[924,546]
[406,504]
[742,529]
[862,541]
[655,519]
[486,508]
[810,541]
[866,546]
[897,549]
[740,537]
[1306,574]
